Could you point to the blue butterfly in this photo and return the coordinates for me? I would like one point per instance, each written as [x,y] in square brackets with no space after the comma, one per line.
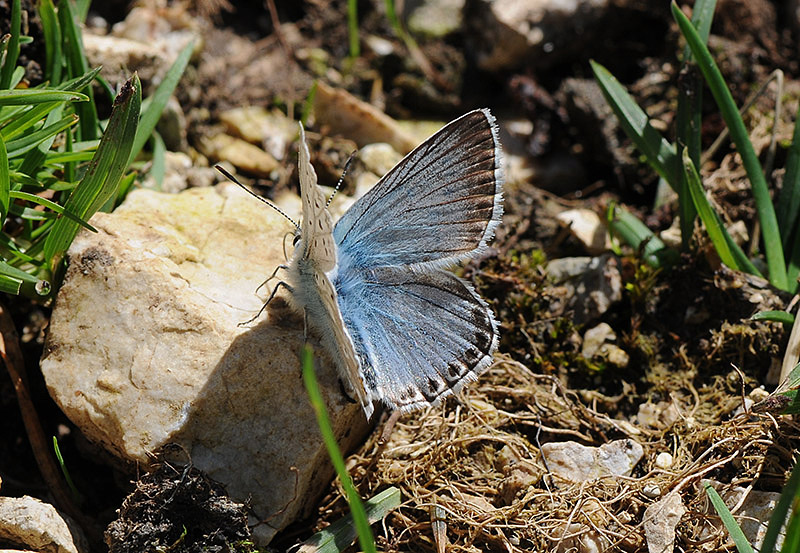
[402,329]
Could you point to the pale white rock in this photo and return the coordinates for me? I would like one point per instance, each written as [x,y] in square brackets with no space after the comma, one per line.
[31,523]
[578,463]
[272,130]
[119,57]
[145,348]
[344,114]
[239,153]
[615,355]
[651,490]
[509,33]
[148,41]
[435,18]
[179,173]
[585,225]
[595,337]
[664,460]
[378,158]
[660,520]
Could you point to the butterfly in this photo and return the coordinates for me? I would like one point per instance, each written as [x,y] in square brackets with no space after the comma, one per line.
[401,329]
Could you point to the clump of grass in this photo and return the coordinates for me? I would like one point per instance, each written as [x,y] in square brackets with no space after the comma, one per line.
[59,164]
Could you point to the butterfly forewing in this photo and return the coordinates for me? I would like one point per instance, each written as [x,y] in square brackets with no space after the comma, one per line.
[439,205]
[313,290]
[317,224]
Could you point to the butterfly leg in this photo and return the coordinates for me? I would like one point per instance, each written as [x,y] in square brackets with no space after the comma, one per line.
[275,272]
[272,295]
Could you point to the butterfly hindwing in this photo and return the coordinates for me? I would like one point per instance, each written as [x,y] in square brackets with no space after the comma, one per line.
[439,205]
[419,335]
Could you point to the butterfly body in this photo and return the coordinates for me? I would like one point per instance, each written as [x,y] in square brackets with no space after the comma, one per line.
[401,329]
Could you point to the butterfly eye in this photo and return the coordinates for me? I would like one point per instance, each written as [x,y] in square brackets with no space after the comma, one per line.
[296,239]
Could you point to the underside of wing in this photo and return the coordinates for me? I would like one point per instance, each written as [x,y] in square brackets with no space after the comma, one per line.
[419,336]
[439,205]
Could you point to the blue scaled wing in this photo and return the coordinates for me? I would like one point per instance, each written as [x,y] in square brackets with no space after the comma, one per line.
[419,336]
[439,205]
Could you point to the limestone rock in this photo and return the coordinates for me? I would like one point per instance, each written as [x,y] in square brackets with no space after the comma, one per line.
[577,463]
[145,348]
[36,525]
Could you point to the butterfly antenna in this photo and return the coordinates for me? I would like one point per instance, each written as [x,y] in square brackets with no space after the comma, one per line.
[341,179]
[256,196]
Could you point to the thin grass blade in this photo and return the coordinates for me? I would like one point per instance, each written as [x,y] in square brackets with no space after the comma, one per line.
[773,248]
[789,496]
[625,225]
[783,317]
[21,145]
[105,170]
[12,47]
[5,183]
[341,534]
[730,254]
[159,100]
[789,197]
[36,96]
[365,538]
[77,65]
[659,153]
[738,537]
[689,117]
[52,41]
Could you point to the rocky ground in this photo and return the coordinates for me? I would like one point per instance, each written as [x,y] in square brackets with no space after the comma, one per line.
[617,391]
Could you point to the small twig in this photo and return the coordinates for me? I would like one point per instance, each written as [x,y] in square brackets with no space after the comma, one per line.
[11,354]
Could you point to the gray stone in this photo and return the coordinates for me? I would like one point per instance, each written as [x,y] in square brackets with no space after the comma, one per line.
[145,348]
[593,284]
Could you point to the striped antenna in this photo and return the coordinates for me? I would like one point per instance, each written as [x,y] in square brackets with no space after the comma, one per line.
[231,178]
[341,179]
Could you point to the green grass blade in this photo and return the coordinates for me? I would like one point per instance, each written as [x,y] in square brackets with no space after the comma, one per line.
[365,538]
[77,65]
[36,96]
[702,16]
[689,117]
[789,198]
[791,541]
[105,170]
[5,183]
[33,198]
[159,100]
[783,317]
[789,495]
[21,145]
[341,534]
[80,82]
[730,254]
[635,233]
[12,48]
[659,153]
[52,41]
[352,28]
[738,537]
[773,248]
